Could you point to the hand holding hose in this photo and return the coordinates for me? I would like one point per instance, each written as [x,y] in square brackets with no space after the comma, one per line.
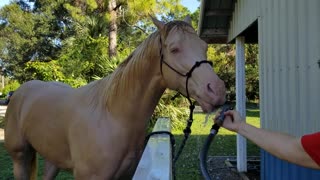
[232,120]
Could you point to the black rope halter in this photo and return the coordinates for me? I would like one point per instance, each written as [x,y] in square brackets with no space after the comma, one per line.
[187,130]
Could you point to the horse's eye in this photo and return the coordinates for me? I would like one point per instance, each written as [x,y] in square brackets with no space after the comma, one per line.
[174,50]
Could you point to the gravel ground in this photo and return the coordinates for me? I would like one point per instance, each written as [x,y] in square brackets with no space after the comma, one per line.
[224,168]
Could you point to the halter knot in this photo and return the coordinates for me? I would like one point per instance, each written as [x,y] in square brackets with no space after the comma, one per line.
[197,63]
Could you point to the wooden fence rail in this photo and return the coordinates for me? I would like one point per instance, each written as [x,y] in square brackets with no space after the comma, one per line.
[156,160]
[3,110]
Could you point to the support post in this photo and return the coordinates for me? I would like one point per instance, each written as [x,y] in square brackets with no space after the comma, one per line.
[2,81]
[241,102]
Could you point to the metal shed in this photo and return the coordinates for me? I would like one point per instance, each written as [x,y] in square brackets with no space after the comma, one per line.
[288,35]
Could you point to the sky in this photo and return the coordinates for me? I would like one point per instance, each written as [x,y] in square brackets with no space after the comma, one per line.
[192,5]
[4,2]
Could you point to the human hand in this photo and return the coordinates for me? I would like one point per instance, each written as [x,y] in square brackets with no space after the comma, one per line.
[232,120]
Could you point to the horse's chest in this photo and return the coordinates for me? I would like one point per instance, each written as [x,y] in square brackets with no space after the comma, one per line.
[129,164]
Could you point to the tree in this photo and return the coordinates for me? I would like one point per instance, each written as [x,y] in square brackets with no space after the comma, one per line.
[223,57]
[113,27]
[31,33]
[252,72]
[136,15]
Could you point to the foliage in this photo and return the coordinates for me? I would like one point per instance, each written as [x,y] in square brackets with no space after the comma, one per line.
[84,56]
[51,71]
[223,57]
[252,72]
[11,86]
[46,71]
[31,34]
[75,82]
[177,109]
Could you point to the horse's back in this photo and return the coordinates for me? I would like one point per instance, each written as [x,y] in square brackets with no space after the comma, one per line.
[35,91]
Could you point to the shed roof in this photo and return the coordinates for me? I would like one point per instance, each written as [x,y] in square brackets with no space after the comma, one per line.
[214,20]
[214,23]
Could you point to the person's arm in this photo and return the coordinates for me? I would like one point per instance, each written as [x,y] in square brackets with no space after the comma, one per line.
[281,145]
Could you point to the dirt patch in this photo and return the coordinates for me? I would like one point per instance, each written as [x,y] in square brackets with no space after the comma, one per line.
[224,168]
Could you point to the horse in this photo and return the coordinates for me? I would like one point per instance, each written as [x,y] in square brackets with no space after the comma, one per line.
[97,131]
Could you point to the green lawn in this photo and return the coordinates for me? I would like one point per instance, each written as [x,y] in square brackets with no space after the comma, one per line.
[224,144]
[6,167]
[188,163]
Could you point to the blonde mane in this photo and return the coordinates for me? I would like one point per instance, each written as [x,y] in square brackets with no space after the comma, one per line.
[125,76]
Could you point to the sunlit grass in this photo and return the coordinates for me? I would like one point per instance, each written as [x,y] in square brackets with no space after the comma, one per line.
[224,144]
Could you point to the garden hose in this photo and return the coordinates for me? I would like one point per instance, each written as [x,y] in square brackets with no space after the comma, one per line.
[213,132]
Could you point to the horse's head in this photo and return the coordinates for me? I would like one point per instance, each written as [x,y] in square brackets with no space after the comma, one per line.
[184,66]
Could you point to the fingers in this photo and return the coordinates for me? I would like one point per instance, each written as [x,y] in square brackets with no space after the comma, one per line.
[229,113]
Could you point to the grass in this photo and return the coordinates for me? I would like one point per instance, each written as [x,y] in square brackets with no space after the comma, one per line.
[224,144]
[188,164]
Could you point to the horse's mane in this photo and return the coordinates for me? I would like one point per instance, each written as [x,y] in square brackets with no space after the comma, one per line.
[116,84]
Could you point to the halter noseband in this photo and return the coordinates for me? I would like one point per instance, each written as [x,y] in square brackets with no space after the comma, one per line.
[187,75]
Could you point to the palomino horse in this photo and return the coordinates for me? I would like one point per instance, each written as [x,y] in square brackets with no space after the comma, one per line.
[97,131]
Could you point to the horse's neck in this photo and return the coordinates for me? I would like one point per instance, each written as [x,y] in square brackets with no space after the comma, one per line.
[131,91]
[138,89]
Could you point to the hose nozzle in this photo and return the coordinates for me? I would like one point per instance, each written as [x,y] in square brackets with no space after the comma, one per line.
[220,118]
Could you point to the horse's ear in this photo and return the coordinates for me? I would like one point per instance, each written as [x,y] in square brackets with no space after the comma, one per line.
[187,19]
[158,23]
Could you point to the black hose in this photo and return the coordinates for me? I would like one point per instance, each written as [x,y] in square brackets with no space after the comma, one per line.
[213,132]
[204,152]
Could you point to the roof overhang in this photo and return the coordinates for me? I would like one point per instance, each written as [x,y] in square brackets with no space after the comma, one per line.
[214,20]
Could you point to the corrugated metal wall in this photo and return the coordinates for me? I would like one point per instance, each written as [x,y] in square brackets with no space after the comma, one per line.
[289,42]
[289,45]
[276,169]
[245,13]
[289,52]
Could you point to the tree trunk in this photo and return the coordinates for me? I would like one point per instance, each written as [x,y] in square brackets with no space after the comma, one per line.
[113,28]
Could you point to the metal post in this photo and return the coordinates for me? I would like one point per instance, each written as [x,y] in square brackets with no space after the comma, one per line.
[2,81]
[241,102]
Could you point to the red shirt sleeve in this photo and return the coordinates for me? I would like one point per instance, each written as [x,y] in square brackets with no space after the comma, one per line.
[311,144]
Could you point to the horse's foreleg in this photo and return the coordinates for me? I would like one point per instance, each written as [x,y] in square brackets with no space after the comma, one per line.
[50,171]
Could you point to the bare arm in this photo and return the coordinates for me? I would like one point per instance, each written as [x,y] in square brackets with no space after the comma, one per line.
[281,145]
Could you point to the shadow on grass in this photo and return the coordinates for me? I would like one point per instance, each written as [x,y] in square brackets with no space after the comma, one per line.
[253,113]
[187,166]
